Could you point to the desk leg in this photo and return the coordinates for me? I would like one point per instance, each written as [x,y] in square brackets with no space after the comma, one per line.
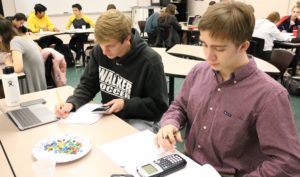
[295,62]
[171,89]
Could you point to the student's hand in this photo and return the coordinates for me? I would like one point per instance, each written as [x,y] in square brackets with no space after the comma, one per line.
[8,61]
[167,137]
[63,111]
[45,28]
[116,105]
[55,29]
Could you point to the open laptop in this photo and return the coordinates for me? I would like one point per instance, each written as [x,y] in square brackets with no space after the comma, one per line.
[190,20]
[31,116]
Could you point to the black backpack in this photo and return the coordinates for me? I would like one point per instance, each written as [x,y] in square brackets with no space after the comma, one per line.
[66,51]
[292,84]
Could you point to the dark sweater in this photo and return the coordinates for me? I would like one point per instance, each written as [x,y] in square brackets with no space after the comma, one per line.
[138,78]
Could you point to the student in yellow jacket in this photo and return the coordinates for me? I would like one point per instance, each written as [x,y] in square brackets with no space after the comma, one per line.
[78,20]
[38,21]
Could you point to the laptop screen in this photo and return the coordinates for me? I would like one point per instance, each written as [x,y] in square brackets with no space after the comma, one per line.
[190,20]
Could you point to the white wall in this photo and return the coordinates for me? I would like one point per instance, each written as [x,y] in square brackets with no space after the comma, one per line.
[262,7]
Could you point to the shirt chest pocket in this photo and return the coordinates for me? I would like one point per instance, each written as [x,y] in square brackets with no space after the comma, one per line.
[232,124]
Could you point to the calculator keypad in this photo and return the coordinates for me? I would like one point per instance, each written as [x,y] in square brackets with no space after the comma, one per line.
[168,161]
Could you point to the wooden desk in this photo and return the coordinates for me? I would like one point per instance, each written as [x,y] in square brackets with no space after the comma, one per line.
[4,164]
[175,67]
[197,52]
[19,144]
[37,36]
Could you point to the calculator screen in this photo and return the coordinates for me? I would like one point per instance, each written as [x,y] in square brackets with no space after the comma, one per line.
[149,169]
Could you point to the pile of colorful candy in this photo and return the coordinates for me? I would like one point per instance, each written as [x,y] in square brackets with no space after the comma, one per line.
[64,146]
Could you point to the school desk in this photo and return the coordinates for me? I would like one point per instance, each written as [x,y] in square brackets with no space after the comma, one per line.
[175,67]
[19,144]
[197,52]
[4,163]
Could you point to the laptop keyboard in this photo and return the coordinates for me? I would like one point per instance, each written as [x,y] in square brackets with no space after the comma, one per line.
[25,117]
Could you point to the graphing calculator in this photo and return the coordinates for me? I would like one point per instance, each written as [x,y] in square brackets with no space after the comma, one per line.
[162,166]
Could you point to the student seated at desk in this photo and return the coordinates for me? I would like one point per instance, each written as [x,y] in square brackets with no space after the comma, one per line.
[290,22]
[267,30]
[78,20]
[151,26]
[38,21]
[168,28]
[25,56]
[18,21]
[127,72]
[238,118]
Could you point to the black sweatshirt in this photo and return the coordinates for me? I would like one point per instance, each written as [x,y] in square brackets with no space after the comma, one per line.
[138,78]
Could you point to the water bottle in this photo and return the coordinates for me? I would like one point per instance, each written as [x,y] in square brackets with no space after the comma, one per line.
[11,86]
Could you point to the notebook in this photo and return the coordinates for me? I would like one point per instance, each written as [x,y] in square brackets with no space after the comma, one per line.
[31,116]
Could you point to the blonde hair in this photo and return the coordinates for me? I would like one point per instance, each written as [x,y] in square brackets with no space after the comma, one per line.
[274,17]
[112,24]
[295,6]
[234,22]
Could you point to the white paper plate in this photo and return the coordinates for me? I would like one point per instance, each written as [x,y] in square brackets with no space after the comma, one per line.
[63,148]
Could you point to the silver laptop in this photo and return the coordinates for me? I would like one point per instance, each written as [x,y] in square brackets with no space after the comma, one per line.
[31,116]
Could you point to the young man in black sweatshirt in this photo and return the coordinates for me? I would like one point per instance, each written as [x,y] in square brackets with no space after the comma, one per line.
[128,73]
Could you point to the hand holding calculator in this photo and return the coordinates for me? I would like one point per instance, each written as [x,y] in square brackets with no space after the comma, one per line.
[101,109]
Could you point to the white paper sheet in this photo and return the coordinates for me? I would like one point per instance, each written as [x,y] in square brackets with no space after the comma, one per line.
[83,115]
[139,148]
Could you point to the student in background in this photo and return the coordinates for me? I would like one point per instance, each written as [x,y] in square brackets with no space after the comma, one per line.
[211,3]
[266,29]
[111,6]
[290,22]
[25,56]
[127,72]
[18,21]
[78,19]
[238,118]
[38,21]
[151,26]
[168,21]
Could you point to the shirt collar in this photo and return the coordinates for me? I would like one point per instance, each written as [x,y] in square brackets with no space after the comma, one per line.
[241,73]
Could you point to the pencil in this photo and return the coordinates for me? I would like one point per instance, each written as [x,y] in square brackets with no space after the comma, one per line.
[60,102]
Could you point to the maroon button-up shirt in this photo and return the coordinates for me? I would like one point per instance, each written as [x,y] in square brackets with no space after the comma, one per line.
[242,125]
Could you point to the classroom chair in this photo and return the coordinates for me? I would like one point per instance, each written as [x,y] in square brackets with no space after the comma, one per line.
[281,58]
[142,24]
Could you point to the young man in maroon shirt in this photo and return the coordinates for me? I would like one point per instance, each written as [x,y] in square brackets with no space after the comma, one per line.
[238,118]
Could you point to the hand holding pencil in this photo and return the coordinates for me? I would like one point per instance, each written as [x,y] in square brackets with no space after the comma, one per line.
[167,137]
[62,109]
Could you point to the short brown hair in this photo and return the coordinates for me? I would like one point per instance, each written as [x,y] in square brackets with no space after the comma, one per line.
[234,21]
[171,9]
[111,6]
[274,17]
[112,24]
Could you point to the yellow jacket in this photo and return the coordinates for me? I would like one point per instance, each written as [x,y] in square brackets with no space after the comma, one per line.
[84,17]
[35,23]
